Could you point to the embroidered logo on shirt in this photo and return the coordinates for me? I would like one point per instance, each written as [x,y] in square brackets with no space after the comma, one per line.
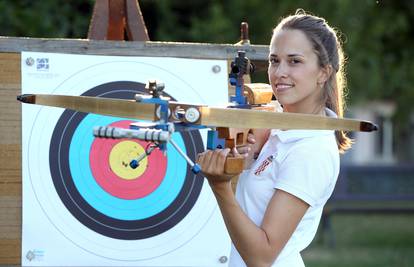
[264,165]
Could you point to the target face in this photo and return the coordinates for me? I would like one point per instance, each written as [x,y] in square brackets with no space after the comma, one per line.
[96,205]
[126,203]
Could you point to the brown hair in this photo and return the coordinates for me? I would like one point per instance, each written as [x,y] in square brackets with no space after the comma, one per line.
[329,51]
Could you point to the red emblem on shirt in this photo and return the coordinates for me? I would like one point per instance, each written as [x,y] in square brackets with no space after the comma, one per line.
[264,165]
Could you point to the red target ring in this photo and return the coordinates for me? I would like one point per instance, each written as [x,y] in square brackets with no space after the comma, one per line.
[105,174]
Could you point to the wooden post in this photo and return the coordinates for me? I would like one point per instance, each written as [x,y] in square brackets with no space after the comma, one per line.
[117,20]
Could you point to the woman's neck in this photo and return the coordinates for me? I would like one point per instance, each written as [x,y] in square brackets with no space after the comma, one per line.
[316,110]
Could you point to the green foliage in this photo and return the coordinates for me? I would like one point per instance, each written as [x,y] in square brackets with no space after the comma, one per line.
[378,35]
[364,240]
[46,18]
[378,38]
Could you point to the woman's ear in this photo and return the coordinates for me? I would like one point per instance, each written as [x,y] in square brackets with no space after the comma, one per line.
[324,73]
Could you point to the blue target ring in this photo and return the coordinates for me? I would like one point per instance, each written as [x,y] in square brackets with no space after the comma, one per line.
[113,206]
[105,214]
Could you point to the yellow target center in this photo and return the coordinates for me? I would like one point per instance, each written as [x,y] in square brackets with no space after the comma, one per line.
[120,157]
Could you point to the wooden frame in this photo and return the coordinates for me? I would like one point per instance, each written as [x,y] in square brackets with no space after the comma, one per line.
[10,108]
[257,53]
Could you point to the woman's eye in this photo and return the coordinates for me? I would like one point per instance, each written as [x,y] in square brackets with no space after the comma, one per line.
[273,61]
[295,61]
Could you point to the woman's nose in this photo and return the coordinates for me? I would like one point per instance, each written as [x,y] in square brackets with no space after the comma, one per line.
[280,70]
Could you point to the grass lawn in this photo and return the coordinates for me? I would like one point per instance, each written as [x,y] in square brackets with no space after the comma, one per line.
[365,241]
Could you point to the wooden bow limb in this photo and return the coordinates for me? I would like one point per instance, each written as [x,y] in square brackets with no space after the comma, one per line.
[209,116]
[229,118]
[258,119]
[98,105]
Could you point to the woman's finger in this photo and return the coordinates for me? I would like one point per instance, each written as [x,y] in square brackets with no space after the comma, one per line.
[222,159]
[203,159]
[224,153]
[251,139]
[200,156]
[237,154]
[244,150]
[219,158]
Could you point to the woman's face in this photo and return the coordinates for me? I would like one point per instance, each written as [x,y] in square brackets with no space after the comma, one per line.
[294,73]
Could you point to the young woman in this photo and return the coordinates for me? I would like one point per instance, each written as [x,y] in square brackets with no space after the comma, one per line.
[280,197]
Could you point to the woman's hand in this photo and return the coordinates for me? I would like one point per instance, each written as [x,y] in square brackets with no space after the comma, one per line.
[255,141]
[247,151]
[260,137]
[212,165]
[212,161]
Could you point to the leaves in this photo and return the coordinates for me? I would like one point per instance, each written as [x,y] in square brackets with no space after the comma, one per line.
[378,35]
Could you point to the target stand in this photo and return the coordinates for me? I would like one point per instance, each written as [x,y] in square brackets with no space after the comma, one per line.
[82,205]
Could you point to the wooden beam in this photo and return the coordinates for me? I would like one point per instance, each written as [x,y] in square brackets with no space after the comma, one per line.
[122,48]
[10,159]
[10,251]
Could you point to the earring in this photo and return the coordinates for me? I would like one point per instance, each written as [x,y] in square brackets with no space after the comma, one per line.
[320,84]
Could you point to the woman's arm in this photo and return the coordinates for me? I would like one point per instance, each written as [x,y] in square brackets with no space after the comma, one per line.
[258,246]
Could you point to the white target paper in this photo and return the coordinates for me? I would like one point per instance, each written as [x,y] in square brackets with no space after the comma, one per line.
[77,225]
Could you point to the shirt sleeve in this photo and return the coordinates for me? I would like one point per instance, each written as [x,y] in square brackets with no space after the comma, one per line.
[306,173]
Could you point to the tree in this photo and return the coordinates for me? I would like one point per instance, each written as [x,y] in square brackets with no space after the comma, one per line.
[378,36]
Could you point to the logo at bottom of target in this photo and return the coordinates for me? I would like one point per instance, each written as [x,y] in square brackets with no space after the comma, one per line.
[35,255]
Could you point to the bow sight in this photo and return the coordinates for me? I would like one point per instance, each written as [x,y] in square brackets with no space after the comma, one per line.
[239,67]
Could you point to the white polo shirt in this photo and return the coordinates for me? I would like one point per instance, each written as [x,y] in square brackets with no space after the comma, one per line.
[304,163]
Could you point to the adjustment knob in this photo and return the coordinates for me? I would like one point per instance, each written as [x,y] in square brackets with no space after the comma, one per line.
[192,115]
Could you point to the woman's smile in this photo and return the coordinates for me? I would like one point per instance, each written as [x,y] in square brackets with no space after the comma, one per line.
[283,87]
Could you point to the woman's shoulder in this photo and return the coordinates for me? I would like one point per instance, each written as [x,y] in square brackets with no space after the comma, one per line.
[322,143]
[320,149]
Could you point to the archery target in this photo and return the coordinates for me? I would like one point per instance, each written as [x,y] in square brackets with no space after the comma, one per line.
[86,190]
